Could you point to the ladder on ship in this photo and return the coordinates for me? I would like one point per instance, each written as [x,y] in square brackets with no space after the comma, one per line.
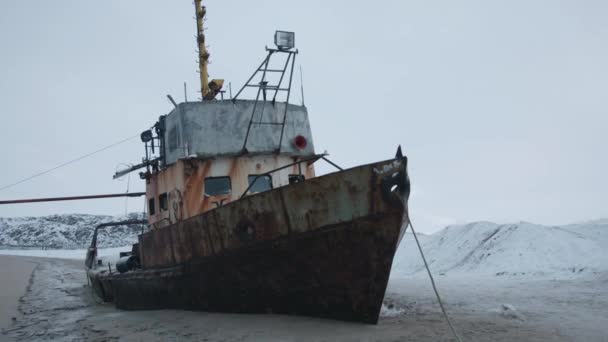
[268,92]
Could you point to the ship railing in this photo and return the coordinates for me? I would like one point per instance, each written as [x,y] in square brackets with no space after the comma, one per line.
[92,250]
[310,160]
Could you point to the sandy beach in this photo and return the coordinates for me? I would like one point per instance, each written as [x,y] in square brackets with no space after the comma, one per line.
[14,278]
[60,306]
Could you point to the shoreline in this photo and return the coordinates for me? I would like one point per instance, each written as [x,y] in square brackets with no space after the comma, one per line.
[15,279]
[59,305]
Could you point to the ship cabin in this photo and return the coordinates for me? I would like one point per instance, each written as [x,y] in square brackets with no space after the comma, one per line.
[215,152]
[208,153]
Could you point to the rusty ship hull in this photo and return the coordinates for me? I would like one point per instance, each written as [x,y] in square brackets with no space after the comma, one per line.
[322,248]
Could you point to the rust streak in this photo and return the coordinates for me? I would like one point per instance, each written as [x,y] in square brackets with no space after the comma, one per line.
[285,213]
[217,226]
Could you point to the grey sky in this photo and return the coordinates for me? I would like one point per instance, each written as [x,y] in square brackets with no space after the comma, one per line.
[501,106]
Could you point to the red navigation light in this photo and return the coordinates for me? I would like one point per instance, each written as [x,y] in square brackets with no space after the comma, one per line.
[300,142]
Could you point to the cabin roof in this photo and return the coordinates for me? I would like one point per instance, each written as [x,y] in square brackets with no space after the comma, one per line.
[219,128]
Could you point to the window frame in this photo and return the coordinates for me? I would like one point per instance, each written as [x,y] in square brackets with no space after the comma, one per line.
[261,176]
[205,194]
[151,206]
[163,199]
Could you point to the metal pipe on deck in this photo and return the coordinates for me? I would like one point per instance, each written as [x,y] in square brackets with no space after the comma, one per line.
[72,198]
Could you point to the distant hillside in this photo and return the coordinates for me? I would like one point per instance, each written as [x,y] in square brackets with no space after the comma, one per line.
[518,249]
[509,249]
[65,231]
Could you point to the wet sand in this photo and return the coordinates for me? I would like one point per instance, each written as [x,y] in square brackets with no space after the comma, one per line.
[60,306]
[15,275]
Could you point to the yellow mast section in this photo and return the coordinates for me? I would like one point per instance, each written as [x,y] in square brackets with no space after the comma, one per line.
[203,55]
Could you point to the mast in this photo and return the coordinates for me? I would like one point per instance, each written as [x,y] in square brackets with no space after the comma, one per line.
[203,55]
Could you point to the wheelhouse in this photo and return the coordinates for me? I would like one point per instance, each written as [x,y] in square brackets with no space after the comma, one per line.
[204,161]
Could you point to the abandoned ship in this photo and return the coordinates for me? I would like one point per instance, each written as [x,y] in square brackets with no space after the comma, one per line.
[237,220]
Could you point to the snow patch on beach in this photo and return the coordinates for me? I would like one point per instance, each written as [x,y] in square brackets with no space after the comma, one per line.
[508,311]
[390,310]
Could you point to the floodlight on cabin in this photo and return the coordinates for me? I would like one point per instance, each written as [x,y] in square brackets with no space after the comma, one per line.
[146,136]
[284,40]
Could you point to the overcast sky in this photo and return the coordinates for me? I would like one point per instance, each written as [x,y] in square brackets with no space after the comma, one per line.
[501,106]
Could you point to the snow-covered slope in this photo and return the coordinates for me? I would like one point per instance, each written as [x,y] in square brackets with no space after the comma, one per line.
[509,249]
[65,231]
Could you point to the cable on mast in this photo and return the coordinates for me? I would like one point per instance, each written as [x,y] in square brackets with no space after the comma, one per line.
[66,163]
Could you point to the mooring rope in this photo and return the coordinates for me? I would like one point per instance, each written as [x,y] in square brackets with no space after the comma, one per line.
[428,270]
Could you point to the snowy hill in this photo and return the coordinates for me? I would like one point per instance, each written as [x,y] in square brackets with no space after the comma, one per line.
[65,231]
[481,247]
[509,249]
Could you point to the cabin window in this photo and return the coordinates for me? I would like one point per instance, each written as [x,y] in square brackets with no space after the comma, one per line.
[215,186]
[295,179]
[163,202]
[151,207]
[261,184]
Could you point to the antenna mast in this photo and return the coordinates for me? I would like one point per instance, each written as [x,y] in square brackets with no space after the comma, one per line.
[203,55]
